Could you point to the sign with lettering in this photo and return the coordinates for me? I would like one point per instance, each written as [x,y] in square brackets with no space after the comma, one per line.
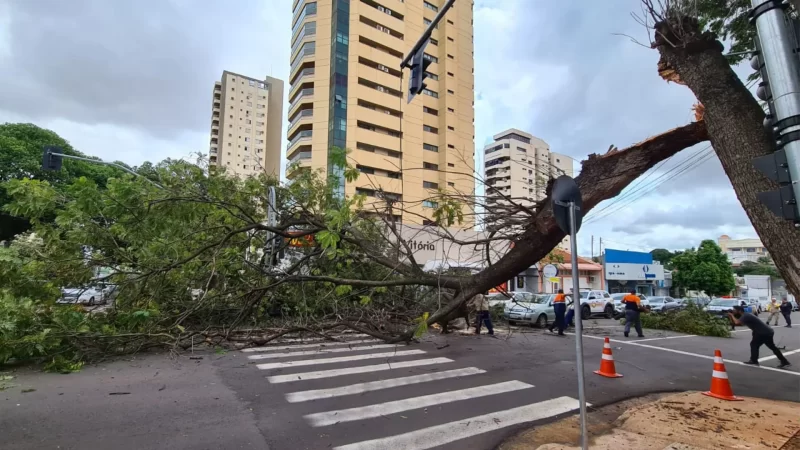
[629,271]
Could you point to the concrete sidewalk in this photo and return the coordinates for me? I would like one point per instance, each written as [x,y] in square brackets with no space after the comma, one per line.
[686,421]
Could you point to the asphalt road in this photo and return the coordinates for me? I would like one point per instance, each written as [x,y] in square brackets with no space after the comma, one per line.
[447,392]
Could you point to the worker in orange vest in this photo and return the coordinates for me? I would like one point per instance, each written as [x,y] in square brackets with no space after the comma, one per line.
[633,307]
[560,308]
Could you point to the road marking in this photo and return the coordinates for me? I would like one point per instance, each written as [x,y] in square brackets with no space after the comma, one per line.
[430,437]
[313,362]
[360,388]
[322,351]
[667,337]
[354,370]
[692,354]
[767,358]
[321,344]
[383,409]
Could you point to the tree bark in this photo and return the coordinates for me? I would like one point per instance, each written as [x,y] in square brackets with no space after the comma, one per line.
[735,127]
[602,177]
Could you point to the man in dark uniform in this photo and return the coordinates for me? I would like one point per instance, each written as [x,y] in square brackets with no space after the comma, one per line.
[633,308]
[762,335]
[560,309]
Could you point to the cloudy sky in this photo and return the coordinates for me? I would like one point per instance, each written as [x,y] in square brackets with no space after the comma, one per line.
[132,81]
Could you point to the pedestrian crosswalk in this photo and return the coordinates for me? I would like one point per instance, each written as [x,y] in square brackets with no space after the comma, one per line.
[354,382]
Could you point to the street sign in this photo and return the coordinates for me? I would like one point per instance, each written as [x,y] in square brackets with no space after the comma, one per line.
[566,191]
[550,271]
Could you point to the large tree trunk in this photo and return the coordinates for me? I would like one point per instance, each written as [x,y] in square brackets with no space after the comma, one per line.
[735,127]
[602,177]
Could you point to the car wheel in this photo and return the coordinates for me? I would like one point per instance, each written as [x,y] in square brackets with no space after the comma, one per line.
[609,312]
[91,301]
[541,322]
[586,312]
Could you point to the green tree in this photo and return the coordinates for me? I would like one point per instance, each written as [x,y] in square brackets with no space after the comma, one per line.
[664,256]
[704,269]
[757,268]
[21,146]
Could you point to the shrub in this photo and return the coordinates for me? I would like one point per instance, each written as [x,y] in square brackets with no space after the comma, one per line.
[691,320]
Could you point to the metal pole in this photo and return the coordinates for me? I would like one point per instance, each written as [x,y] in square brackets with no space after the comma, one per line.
[427,33]
[98,161]
[576,303]
[777,37]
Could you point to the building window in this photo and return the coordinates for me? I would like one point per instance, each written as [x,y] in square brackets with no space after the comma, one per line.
[428,22]
[430,166]
[430,129]
[506,145]
[450,74]
[430,93]
[430,111]
[450,22]
[429,204]
[430,58]
[450,39]
[451,110]
[450,165]
[558,160]
[451,128]
[450,183]
[450,91]
[432,76]
[434,41]
[451,146]
[450,56]
[431,7]
[430,148]
[430,185]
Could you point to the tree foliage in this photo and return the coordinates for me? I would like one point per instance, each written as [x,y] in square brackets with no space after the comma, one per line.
[664,256]
[21,146]
[761,267]
[704,269]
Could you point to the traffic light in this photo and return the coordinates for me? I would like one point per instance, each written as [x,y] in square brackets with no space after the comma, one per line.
[51,158]
[419,66]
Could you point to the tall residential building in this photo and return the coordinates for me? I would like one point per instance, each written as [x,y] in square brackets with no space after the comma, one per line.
[348,91]
[517,168]
[246,122]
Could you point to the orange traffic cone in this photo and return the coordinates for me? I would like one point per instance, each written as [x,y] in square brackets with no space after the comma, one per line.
[607,368]
[720,386]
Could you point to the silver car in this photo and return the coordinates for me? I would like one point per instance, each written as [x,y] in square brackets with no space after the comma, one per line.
[538,311]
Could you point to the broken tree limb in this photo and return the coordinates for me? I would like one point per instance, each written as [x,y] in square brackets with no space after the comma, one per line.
[602,177]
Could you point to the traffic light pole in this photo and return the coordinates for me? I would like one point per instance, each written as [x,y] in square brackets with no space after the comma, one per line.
[777,41]
[427,34]
[98,161]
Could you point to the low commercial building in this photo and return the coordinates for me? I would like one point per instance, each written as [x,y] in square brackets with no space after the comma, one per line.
[741,250]
[626,270]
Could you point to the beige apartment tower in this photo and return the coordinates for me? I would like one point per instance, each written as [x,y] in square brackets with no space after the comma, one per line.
[348,91]
[246,125]
[517,166]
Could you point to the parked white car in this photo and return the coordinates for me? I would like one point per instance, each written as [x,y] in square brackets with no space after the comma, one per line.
[499,298]
[92,295]
[619,307]
[596,301]
[538,311]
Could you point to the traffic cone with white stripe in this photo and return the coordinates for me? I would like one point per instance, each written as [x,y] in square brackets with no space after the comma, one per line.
[607,368]
[720,386]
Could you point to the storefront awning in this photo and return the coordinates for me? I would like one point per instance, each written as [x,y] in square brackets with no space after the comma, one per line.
[581,266]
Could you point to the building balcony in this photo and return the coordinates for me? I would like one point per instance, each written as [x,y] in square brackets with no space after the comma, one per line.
[212,151]
[304,116]
[299,157]
[294,78]
[301,58]
[305,79]
[309,9]
[214,140]
[304,96]
[307,32]
[300,136]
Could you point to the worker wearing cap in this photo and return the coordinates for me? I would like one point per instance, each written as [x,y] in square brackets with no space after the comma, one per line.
[762,335]
[560,309]
[633,305]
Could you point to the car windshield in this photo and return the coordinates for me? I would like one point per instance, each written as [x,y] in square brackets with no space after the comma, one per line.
[724,302]
[618,297]
[585,294]
[497,296]
[656,299]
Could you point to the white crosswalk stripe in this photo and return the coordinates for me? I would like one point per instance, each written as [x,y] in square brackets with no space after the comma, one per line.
[434,436]
[406,400]
[313,362]
[360,388]
[322,351]
[355,370]
[382,409]
[324,344]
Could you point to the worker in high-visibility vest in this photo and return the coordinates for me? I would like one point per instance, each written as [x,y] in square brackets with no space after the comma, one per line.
[633,306]
[560,308]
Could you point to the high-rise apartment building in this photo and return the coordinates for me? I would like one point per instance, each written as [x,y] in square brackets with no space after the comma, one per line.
[246,122]
[348,91]
[516,169]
